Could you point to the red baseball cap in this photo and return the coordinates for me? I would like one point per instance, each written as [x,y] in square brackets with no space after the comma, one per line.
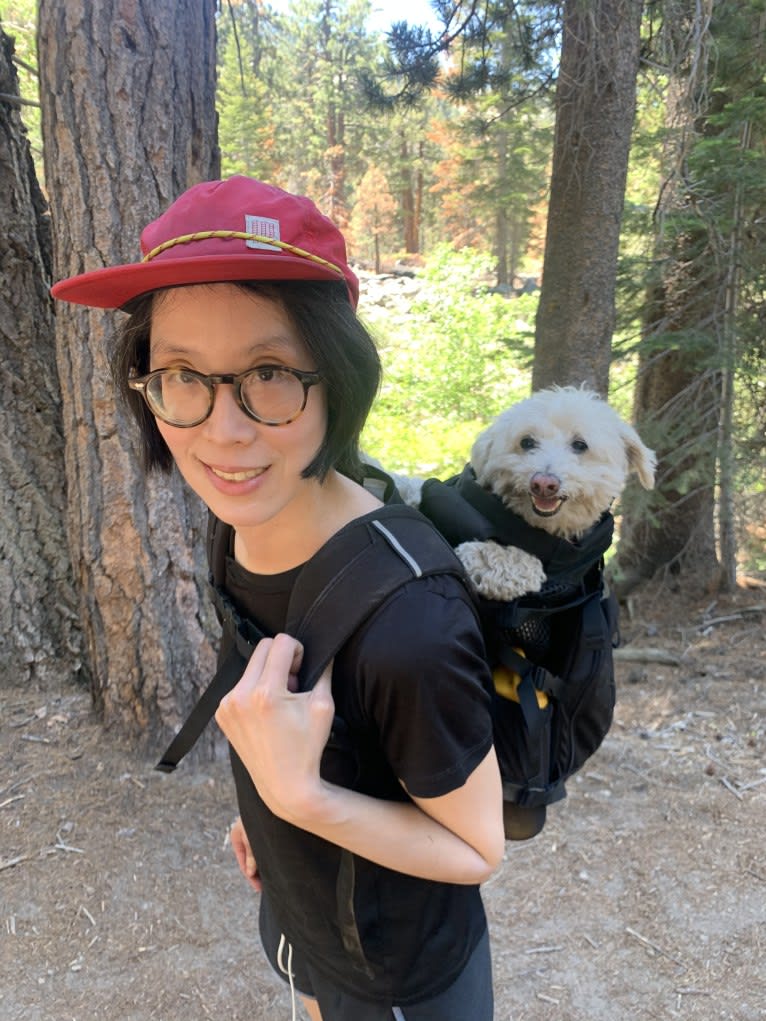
[237,229]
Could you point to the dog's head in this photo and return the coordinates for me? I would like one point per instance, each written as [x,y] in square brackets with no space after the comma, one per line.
[559,458]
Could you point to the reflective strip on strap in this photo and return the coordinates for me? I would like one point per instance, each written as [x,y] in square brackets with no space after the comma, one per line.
[397,547]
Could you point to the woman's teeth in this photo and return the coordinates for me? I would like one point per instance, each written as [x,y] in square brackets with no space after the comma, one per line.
[240,476]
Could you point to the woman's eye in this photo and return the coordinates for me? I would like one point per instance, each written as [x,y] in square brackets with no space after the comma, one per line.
[579,446]
[184,376]
[268,374]
[527,443]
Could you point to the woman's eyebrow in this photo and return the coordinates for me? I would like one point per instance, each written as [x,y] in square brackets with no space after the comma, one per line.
[171,348]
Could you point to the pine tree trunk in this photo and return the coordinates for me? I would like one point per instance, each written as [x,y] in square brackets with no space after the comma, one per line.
[672,532]
[595,107]
[677,409]
[408,201]
[128,122]
[679,383]
[39,635]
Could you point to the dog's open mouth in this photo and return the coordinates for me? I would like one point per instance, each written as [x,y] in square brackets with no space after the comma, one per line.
[546,507]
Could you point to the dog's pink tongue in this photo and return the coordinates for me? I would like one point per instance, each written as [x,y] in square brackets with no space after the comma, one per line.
[547,505]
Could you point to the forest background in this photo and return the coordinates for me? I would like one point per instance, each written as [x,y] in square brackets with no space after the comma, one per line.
[605,158]
[576,192]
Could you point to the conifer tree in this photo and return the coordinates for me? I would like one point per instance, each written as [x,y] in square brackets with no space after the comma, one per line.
[698,398]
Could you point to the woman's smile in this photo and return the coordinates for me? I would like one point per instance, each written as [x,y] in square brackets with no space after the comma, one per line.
[236,474]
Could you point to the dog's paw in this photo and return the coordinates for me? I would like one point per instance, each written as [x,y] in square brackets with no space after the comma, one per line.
[500,572]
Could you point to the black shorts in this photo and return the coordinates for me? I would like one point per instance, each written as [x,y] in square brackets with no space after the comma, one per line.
[469,998]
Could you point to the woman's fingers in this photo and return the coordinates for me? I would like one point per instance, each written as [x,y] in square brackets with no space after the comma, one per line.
[321,693]
[279,734]
[244,854]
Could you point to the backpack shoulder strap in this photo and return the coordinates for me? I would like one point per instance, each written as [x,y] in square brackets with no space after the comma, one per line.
[217,543]
[355,573]
[238,635]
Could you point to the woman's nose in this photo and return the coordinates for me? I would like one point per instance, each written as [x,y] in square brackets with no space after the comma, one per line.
[227,422]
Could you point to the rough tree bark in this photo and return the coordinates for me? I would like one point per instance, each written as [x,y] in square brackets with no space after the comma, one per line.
[595,107]
[39,635]
[127,92]
[676,408]
[679,382]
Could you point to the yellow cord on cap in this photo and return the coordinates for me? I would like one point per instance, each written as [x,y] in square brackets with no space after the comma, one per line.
[204,235]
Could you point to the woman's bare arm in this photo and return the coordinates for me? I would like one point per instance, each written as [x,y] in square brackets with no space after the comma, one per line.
[279,735]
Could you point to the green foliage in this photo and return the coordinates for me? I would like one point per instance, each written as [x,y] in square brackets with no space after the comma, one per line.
[18,19]
[472,169]
[468,161]
[460,357]
[471,35]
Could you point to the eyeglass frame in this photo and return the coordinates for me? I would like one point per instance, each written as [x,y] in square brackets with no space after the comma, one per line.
[306,379]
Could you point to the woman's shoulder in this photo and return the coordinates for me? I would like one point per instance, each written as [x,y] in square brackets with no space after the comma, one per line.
[435,607]
[428,623]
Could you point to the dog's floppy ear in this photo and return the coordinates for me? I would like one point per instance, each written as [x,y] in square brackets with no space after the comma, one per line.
[481,451]
[641,459]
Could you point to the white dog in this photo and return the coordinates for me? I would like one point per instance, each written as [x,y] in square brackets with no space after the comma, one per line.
[558,460]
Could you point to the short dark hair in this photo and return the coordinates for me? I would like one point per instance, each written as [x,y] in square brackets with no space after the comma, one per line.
[344,354]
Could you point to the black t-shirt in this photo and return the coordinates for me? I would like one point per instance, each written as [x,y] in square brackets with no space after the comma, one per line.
[411,692]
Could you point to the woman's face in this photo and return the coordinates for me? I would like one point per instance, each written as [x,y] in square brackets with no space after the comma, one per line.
[247,473]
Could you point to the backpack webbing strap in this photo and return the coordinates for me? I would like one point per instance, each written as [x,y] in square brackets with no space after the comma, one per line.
[337,590]
[242,636]
[350,578]
[225,678]
[592,637]
[533,676]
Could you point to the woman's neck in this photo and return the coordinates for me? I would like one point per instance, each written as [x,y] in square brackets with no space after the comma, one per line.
[293,538]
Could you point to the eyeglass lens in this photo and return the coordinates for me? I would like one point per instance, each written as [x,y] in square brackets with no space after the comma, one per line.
[271,394]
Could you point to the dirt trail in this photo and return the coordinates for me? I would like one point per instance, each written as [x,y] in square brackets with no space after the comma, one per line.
[644,897]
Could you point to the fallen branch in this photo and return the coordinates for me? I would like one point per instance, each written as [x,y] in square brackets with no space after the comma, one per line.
[730,787]
[753,783]
[10,862]
[9,801]
[653,946]
[760,608]
[17,100]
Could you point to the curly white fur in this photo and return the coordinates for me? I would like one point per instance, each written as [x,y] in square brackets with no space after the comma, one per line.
[571,435]
[557,459]
[500,572]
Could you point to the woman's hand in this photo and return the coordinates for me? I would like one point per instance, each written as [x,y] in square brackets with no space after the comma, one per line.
[278,733]
[244,855]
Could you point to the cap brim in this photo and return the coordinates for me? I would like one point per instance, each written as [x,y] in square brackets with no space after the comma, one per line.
[115,286]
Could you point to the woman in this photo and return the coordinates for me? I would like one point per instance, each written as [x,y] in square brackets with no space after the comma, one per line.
[247,368]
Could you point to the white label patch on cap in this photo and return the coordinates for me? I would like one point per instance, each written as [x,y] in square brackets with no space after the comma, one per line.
[264,226]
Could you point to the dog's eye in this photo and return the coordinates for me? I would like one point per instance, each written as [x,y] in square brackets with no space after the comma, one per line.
[579,446]
[527,443]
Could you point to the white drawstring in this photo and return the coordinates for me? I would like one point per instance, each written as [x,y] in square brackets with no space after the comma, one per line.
[289,969]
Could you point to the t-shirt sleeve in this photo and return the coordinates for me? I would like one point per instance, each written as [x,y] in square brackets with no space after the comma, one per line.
[424,686]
